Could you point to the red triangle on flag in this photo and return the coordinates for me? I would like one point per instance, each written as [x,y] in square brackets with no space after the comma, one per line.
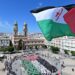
[69,17]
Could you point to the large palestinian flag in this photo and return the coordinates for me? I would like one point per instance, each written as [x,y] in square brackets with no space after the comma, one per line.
[35,65]
[56,21]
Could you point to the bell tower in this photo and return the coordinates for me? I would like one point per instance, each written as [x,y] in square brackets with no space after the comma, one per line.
[25,30]
[15,29]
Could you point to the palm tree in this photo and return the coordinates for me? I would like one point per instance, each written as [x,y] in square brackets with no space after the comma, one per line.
[10,44]
[20,44]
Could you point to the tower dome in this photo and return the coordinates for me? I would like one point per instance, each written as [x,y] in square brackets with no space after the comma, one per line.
[25,29]
[15,29]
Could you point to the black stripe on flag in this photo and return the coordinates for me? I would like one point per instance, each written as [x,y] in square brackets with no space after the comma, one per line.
[67,7]
[47,65]
[41,9]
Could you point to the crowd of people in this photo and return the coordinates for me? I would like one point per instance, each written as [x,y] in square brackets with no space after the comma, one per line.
[8,66]
[8,63]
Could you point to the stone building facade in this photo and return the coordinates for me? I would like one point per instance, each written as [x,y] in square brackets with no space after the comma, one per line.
[27,40]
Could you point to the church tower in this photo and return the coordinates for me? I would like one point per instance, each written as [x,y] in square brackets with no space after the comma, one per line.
[15,29]
[25,30]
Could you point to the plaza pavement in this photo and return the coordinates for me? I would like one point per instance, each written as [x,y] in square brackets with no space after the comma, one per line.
[2,66]
[68,62]
[1,69]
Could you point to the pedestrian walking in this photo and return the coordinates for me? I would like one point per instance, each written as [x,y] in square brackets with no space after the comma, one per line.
[6,64]
[73,69]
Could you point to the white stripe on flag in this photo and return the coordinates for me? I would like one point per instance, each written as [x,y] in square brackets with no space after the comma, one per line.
[55,14]
[40,67]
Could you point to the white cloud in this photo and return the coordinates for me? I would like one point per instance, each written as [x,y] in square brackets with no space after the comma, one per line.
[40,4]
[5,26]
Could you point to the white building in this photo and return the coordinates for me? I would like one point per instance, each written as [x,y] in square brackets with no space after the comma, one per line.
[64,43]
[4,41]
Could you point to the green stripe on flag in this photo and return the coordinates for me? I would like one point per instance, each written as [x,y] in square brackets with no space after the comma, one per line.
[31,70]
[51,29]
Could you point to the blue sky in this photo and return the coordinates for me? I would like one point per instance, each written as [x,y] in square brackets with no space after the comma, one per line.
[19,10]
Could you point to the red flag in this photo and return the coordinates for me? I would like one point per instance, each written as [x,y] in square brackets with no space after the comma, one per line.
[69,17]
